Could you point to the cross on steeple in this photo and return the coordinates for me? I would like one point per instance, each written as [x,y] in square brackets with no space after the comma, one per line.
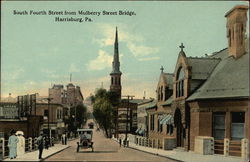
[161,69]
[181,46]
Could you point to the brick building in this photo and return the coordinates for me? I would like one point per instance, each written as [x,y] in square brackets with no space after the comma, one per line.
[210,94]
[55,113]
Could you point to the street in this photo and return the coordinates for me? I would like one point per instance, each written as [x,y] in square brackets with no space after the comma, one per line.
[104,150]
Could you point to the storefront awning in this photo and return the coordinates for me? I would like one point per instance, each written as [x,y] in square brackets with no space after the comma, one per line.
[168,119]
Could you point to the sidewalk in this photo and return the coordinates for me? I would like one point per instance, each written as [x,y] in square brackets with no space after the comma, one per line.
[33,156]
[185,156]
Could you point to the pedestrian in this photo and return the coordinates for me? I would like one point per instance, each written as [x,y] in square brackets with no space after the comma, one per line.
[40,142]
[120,141]
[21,143]
[12,144]
[127,142]
[65,139]
[47,142]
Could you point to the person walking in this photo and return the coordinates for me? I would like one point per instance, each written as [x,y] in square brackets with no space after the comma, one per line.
[120,141]
[40,142]
[12,144]
[21,143]
[47,144]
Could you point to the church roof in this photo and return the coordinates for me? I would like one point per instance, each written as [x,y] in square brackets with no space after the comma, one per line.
[229,79]
[202,66]
[168,79]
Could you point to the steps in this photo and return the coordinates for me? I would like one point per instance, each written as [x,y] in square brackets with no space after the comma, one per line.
[219,146]
[235,148]
[179,149]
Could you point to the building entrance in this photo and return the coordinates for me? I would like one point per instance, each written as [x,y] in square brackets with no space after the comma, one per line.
[179,128]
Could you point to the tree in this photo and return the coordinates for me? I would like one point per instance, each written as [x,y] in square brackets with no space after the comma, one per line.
[78,117]
[103,110]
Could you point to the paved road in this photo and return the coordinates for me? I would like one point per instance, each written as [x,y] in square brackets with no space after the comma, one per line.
[104,150]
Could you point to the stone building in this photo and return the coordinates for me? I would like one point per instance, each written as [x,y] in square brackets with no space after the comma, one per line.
[210,94]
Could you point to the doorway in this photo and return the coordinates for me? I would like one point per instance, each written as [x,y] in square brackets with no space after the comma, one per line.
[179,128]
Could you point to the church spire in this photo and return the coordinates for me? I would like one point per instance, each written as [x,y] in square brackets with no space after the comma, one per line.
[115,85]
[116,62]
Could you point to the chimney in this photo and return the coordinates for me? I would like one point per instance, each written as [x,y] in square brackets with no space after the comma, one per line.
[236,28]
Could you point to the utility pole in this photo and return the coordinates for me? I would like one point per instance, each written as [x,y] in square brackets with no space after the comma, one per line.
[126,135]
[49,99]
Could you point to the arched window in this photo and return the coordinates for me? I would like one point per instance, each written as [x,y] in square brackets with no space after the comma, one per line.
[112,80]
[161,93]
[180,82]
[159,96]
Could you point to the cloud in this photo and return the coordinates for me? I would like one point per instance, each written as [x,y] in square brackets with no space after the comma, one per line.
[103,60]
[134,42]
[140,50]
[149,58]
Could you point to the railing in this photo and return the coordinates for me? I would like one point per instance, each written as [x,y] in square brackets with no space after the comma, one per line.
[30,145]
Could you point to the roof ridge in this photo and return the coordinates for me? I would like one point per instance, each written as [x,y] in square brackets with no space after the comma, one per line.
[215,53]
[209,58]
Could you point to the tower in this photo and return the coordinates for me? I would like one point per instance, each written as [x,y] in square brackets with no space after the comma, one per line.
[236,28]
[116,73]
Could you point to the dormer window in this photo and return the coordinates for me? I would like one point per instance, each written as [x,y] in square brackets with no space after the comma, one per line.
[180,82]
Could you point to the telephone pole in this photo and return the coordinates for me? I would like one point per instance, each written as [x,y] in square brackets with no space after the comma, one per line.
[126,135]
[49,99]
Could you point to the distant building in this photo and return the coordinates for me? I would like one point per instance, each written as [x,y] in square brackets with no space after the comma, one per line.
[72,96]
[127,113]
[142,117]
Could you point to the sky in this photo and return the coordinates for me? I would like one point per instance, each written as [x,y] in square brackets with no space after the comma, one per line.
[38,52]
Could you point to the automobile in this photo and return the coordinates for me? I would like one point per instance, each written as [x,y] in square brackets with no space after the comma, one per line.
[85,140]
[91,125]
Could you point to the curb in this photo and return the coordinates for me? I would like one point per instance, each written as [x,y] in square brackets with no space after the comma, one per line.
[55,153]
[151,153]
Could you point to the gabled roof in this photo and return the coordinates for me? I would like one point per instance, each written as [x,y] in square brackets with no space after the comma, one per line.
[230,78]
[202,66]
[167,79]
[168,101]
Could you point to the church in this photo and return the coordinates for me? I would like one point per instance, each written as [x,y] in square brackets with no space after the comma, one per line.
[207,97]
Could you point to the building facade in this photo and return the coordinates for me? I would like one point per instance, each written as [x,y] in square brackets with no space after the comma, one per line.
[52,118]
[210,94]
[71,96]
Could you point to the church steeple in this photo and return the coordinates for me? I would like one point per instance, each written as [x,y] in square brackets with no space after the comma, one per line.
[116,73]
[116,62]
